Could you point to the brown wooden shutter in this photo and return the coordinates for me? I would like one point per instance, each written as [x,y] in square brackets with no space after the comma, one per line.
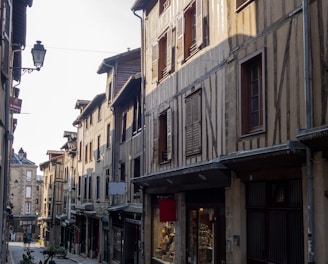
[155,140]
[199,22]
[155,61]
[189,126]
[180,38]
[169,133]
[169,50]
[197,112]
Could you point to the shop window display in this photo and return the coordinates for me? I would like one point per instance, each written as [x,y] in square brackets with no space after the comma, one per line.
[163,239]
[200,238]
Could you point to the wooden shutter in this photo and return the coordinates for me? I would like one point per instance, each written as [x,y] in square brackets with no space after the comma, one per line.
[155,139]
[199,22]
[197,112]
[169,50]
[188,128]
[169,133]
[155,62]
[6,35]
[180,38]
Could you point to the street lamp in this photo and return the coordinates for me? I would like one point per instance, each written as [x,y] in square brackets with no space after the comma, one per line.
[38,54]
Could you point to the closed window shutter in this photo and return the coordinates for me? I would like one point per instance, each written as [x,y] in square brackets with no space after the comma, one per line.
[189,126]
[6,20]
[155,62]
[155,140]
[199,22]
[180,40]
[169,50]
[169,133]
[197,122]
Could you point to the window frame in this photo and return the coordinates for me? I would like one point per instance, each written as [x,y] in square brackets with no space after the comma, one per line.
[245,93]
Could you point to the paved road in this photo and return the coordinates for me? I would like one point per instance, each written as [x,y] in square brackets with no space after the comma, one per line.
[16,250]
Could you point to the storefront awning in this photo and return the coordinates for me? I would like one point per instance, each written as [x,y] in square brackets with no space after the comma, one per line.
[316,137]
[210,174]
[61,217]
[116,208]
[285,155]
[84,207]
[133,208]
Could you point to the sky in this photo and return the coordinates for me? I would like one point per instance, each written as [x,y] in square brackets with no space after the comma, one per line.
[78,35]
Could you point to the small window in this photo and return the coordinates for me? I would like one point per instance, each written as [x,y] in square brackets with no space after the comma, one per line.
[136,174]
[80,151]
[193,123]
[124,120]
[251,95]
[28,192]
[99,112]
[136,125]
[86,154]
[28,175]
[98,188]
[98,147]
[90,151]
[122,172]
[108,136]
[27,208]
[165,136]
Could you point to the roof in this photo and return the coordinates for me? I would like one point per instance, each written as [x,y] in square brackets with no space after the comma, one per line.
[143,5]
[17,161]
[110,62]
[129,89]
[96,102]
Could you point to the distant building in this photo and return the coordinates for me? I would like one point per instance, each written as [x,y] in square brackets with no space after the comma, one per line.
[25,194]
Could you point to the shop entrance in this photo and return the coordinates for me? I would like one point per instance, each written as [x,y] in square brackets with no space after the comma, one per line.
[205,228]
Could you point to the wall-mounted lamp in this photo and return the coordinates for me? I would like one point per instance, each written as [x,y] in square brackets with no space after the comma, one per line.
[38,54]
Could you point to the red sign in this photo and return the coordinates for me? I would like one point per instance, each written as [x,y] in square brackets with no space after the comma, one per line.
[15,105]
[167,210]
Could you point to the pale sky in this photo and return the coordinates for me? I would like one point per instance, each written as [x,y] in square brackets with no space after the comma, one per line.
[78,35]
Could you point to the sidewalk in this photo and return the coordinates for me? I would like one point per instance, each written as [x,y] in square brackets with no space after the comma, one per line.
[16,249]
[81,260]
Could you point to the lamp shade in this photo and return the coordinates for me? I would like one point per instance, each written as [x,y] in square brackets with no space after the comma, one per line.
[38,53]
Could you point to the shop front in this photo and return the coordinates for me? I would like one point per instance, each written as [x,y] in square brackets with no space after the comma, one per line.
[184,219]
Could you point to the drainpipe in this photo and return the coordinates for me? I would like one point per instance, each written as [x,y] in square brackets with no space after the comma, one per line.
[308,105]
[141,248]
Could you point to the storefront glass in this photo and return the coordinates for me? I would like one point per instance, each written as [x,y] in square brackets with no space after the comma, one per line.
[163,239]
[200,236]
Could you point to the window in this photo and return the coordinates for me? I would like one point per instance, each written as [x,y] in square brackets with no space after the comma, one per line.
[27,208]
[165,134]
[90,151]
[98,188]
[109,91]
[124,120]
[193,123]
[137,114]
[192,29]
[86,154]
[122,172]
[242,3]
[162,56]
[80,151]
[90,188]
[251,95]
[85,188]
[274,217]
[28,175]
[90,119]
[6,35]
[98,147]
[99,112]
[108,136]
[136,174]
[107,188]
[163,5]
[28,192]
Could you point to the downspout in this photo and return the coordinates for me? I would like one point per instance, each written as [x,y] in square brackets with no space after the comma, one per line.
[142,246]
[308,105]
[113,136]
